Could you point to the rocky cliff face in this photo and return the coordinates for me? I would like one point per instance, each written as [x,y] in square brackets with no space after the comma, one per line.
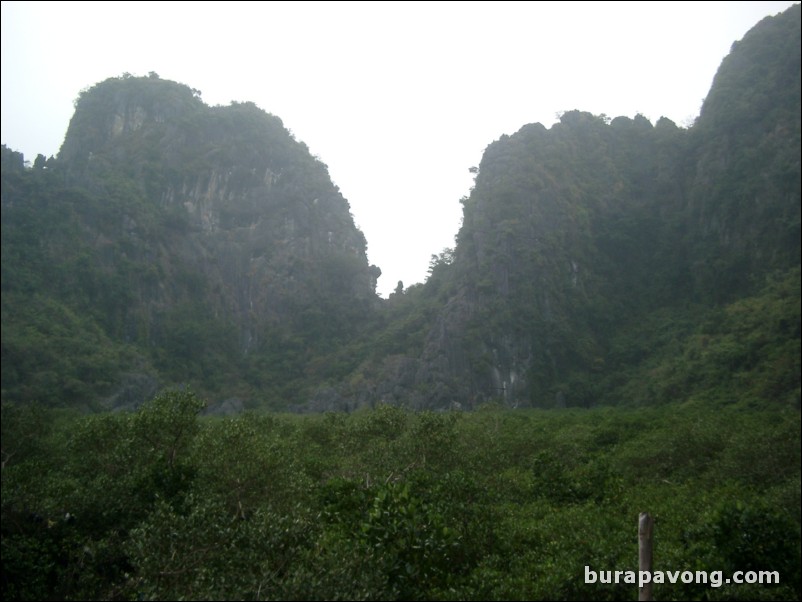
[260,216]
[229,233]
[744,209]
[172,242]
[559,227]
[574,233]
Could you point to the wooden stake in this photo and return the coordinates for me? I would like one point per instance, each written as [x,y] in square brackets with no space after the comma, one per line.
[645,533]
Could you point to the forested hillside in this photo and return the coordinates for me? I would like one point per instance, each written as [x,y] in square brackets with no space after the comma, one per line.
[621,313]
[616,261]
[601,261]
[173,242]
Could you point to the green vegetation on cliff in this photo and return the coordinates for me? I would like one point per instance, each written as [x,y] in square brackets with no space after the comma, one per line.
[601,261]
[172,242]
[598,256]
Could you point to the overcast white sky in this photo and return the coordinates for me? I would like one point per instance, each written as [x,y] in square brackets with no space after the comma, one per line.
[399,99]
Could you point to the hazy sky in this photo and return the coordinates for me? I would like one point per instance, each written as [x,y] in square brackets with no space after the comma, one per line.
[399,99]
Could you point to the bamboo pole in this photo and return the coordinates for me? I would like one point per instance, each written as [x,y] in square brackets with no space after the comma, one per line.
[645,541]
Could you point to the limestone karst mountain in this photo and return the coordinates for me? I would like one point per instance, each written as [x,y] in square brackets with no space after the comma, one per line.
[600,261]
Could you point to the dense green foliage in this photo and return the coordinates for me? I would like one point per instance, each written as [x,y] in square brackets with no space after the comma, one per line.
[637,283]
[390,504]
